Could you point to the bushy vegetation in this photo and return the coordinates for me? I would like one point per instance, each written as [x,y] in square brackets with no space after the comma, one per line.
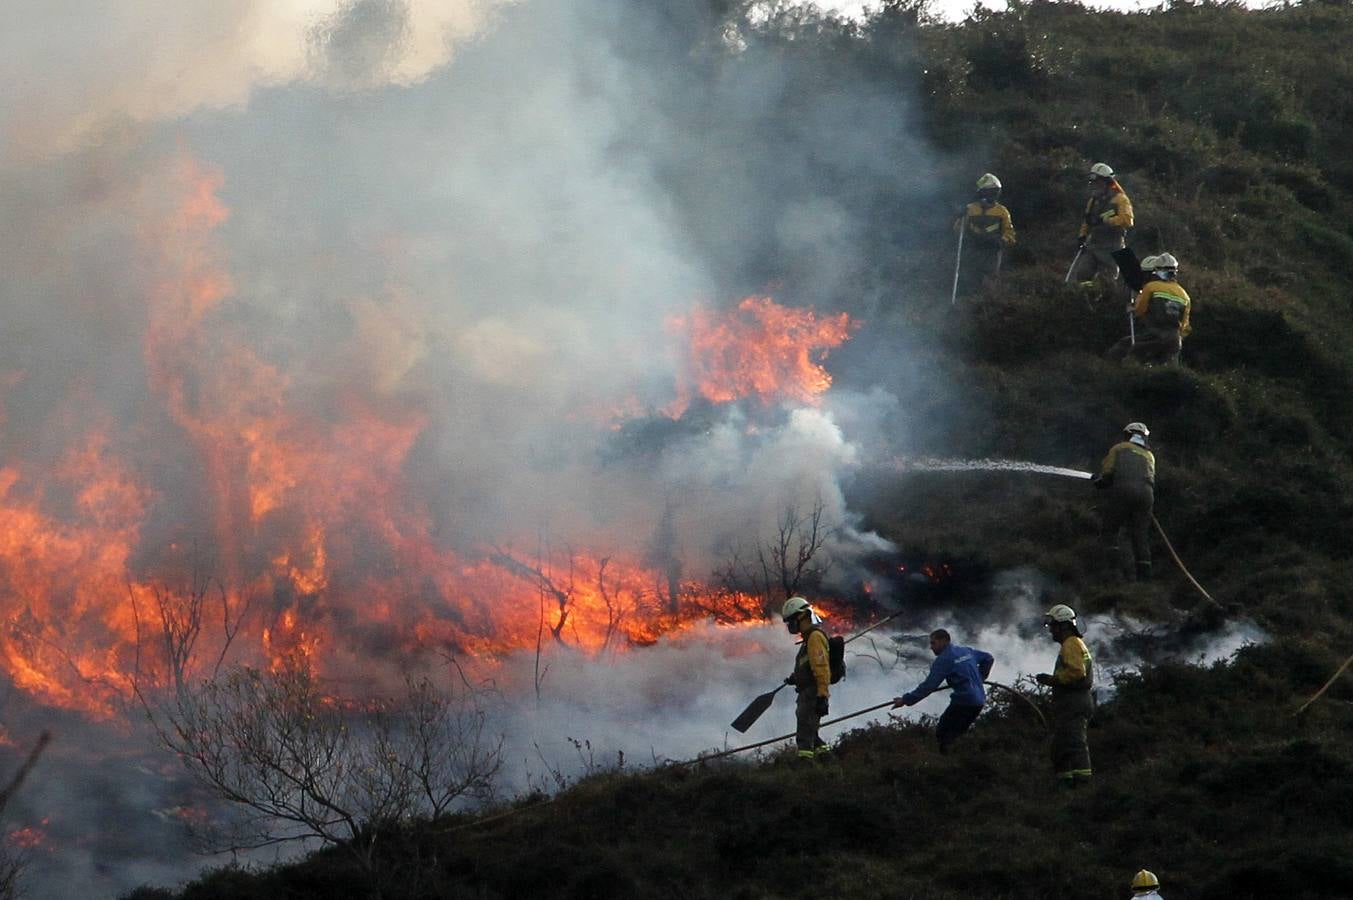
[1229,128]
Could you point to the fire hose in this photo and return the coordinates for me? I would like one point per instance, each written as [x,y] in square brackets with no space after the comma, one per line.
[784,737]
[745,747]
[1179,562]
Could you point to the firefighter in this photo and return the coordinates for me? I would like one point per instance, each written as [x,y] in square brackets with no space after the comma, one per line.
[1072,703]
[1128,474]
[1108,216]
[811,678]
[963,669]
[987,232]
[1160,314]
[1145,886]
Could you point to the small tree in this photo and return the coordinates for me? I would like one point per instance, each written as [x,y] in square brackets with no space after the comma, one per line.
[11,862]
[788,563]
[300,765]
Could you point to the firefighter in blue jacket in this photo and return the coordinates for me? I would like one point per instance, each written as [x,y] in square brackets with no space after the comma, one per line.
[963,669]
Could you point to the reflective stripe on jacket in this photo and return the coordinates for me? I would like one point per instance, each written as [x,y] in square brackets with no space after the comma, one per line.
[812,667]
[1128,464]
[1154,300]
[962,668]
[991,223]
[1074,670]
[1112,215]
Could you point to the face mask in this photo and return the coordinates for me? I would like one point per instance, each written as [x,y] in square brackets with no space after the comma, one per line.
[793,625]
[1164,274]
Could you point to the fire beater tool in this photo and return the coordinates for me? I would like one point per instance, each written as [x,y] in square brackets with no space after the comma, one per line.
[762,703]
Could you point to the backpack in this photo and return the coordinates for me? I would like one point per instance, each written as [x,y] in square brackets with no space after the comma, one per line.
[836,657]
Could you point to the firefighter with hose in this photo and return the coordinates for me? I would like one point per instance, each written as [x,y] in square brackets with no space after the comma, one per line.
[811,677]
[1104,226]
[1159,315]
[1128,475]
[987,231]
[1146,886]
[1072,703]
[963,669]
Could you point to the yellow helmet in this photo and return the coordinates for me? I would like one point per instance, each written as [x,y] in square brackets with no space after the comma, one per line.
[1145,879]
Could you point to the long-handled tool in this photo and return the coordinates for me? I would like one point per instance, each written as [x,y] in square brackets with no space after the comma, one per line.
[958,258]
[748,716]
[1071,268]
[762,703]
[1132,328]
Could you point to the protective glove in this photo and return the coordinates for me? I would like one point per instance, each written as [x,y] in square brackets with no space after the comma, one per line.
[789,680]
[900,701]
[1045,679]
[822,706]
[1080,244]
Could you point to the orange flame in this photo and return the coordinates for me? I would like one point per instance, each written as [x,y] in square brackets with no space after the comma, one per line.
[317,530]
[762,350]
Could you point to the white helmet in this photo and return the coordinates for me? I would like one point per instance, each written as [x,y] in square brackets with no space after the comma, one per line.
[988,181]
[1060,613]
[793,607]
[1136,428]
[1150,263]
[1164,261]
[1101,170]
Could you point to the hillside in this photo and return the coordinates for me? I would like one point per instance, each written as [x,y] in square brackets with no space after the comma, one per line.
[1230,130]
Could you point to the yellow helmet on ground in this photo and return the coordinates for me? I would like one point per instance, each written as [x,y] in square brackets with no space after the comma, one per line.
[1145,879]
[793,607]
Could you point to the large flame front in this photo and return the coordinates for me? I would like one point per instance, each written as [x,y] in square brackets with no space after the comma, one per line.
[316,533]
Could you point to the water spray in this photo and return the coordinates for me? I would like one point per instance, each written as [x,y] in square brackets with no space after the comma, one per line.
[936,464]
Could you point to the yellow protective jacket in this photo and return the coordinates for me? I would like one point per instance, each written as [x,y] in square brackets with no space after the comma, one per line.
[1112,217]
[988,223]
[1163,292]
[812,667]
[1138,464]
[1074,670]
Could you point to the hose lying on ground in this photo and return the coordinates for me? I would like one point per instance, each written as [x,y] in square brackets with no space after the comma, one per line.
[1316,695]
[1179,562]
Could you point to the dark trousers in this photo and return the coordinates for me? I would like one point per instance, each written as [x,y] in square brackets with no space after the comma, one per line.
[954,721]
[807,721]
[980,262]
[1129,509]
[1152,346]
[1099,262]
[1071,712]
